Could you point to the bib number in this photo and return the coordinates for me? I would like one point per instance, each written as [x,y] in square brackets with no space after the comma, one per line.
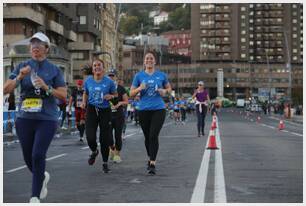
[32,105]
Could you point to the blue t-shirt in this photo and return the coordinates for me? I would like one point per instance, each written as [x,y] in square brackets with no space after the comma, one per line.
[97,90]
[52,76]
[177,105]
[135,104]
[150,98]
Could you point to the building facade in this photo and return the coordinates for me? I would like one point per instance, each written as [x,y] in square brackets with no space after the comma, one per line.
[21,21]
[89,32]
[267,37]
[179,42]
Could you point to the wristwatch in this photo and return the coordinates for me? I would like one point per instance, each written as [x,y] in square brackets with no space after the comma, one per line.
[49,91]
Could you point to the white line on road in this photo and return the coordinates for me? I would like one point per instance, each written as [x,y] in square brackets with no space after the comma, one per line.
[220,190]
[198,195]
[24,166]
[301,135]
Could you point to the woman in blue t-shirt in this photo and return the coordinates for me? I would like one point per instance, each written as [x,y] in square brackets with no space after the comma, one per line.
[99,89]
[152,85]
[41,83]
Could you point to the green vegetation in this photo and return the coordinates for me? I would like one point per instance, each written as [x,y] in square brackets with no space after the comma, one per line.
[137,18]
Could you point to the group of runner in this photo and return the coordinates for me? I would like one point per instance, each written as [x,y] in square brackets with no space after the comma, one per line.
[99,101]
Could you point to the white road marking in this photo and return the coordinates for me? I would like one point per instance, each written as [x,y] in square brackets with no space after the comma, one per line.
[220,190]
[24,166]
[198,195]
[301,135]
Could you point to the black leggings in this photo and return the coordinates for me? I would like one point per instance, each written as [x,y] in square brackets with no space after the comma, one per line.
[151,122]
[101,117]
[201,118]
[117,125]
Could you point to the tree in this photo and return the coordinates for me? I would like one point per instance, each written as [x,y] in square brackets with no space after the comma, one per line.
[129,25]
[180,18]
[169,7]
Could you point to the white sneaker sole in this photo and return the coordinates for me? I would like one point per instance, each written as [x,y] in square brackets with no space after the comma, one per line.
[44,190]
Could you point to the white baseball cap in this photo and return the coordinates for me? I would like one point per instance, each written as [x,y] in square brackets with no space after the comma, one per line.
[42,37]
[201,82]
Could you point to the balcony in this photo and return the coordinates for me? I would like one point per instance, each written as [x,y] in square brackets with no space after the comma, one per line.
[221,18]
[55,27]
[22,12]
[71,35]
[81,46]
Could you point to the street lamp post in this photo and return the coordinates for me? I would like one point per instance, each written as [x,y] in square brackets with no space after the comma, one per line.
[288,66]
[270,79]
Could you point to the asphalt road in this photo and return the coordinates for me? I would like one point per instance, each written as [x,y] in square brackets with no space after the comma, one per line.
[255,163]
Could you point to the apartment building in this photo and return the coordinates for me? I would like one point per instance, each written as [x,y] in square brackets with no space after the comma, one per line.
[89,33]
[21,21]
[267,38]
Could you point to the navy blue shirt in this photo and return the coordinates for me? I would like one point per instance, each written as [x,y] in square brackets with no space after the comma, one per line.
[96,90]
[52,76]
[150,99]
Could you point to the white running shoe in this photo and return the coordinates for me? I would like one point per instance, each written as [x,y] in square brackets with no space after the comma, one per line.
[34,200]
[44,190]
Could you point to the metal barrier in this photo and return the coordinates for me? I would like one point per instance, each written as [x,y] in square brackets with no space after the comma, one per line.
[9,118]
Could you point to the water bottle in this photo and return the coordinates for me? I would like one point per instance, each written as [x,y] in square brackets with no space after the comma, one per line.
[34,77]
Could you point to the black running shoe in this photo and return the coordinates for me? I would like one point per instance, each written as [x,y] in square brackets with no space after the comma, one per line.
[152,170]
[105,168]
[92,157]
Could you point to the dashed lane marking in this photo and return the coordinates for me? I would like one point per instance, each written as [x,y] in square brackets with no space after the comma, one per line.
[24,166]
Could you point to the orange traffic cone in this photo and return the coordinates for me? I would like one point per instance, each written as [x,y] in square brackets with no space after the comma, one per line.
[212,140]
[281,125]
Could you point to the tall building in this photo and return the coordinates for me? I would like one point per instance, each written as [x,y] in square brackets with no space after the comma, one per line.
[21,21]
[247,32]
[258,47]
[89,31]
[108,34]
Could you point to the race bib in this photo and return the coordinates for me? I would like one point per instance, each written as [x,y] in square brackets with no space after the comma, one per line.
[32,105]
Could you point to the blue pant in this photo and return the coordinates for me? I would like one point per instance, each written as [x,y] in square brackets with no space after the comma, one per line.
[35,137]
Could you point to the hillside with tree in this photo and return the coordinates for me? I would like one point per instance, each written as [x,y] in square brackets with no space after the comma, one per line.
[135,18]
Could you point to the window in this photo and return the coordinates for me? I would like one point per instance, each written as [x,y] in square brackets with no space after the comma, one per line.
[243,32]
[251,43]
[243,40]
[82,19]
[294,35]
[242,8]
[294,6]
[294,50]
[294,28]
[243,55]
[294,21]
[242,16]
[251,35]
[295,58]
[251,20]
